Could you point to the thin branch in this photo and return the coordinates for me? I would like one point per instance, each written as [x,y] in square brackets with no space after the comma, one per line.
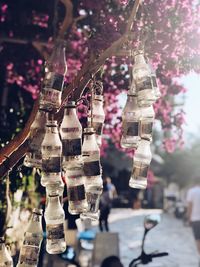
[41,49]
[17,148]
[68,18]
[4,39]
[93,68]
[131,19]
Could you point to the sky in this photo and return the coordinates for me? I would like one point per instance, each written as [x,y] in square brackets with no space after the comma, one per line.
[192,103]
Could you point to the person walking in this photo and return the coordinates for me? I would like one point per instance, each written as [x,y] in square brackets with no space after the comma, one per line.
[111,188]
[104,206]
[193,211]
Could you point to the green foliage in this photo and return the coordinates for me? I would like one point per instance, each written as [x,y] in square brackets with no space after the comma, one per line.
[23,178]
[183,165]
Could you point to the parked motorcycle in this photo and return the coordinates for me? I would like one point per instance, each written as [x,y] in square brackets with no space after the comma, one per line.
[150,222]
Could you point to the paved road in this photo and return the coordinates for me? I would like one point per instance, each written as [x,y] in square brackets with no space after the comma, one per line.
[170,235]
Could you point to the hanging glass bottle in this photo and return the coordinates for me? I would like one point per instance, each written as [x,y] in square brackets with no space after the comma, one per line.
[141,162]
[76,189]
[37,131]
[98,117]
[130,120]
[54,217]
[56,68]
[51,154]
[146,122]
[142,77]
[71,135]
[5,258]
[29,252]
[92,173]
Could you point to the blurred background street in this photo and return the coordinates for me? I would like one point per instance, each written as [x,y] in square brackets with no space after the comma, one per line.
[169,235]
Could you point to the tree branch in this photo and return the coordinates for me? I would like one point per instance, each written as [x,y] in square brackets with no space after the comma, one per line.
[41,49]
[68,18]
[17,148]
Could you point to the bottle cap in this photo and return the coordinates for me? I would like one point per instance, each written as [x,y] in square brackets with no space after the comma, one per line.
[70,104]
[38,211]
[89,130]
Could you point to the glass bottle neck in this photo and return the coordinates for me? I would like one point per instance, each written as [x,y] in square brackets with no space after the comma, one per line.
[139,59]
[132,99]
[90,137]
[57,62]
[52,130]
[53,200]
[36,218]
[70,112]
[39,121]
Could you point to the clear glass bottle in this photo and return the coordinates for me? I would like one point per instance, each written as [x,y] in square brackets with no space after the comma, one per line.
[51,155]
[141,162]
[54,217]
[93,194]
[76,189]
[130,122]
[37,131]
[5,258]
[143,82]
[56,68]
[92,173]
[71,135]
[29,252]
[98,117]
[146,122]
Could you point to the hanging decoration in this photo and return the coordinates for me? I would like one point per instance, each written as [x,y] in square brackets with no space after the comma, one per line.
[138,117]
[72,161]
[56,69]
[71,136]
[131,115]
[29,252]
[57,149]
[92,173]
[37,131]
[55,218]
[98,114]
[51,154]
[74,179]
